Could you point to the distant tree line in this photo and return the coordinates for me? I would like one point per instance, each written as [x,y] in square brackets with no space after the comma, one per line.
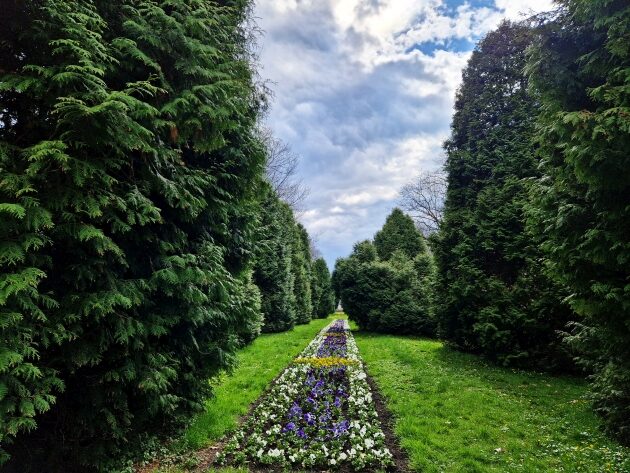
[530,236]
[143,235]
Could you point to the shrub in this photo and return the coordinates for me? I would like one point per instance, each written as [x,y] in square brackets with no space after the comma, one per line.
[323,295]
[580,70]
[128,174]
[273,265]
[495,298]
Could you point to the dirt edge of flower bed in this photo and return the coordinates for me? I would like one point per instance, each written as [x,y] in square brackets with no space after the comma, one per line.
[387,419]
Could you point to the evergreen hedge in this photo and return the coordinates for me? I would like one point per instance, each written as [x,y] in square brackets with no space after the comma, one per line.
[579,69]
[494,295]
[128,174]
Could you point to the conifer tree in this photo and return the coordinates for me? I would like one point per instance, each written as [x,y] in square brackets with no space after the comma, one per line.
[399,234]
[301,268]
[273,264]
[494,297]
[128,173]
[580,72]
[393,295]
[323,294]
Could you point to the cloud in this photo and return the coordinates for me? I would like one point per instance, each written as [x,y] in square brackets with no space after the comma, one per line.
[364,91]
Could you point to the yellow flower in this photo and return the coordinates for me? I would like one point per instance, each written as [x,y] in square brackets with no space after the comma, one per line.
[326,362]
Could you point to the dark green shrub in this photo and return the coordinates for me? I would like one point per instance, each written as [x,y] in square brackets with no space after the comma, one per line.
[494,297]
[393,296]
[128,173]
[580,70]
[273,265]
[323,295]
[301,268]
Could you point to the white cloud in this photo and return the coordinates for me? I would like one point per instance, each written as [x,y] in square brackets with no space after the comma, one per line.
[516,9]
[364,92]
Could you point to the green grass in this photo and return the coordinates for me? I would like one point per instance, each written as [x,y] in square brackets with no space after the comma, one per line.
[455,413]
[259,363]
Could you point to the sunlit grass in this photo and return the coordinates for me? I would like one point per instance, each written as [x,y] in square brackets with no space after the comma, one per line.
[455,413]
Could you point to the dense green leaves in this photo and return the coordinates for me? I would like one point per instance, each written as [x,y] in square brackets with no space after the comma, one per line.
[580,70]
[273,265]
[322,291]
[493,295]
[393,295]
[399,234]
[129,167]
[302,275]
[283,269]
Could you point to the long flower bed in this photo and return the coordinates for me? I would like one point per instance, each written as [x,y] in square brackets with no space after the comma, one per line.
[318,414]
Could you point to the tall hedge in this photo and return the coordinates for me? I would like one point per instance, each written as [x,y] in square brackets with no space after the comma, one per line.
[302,274]
[322,291]
[494,296]
[273,263]
[580,72]
[128,169]
[392,294]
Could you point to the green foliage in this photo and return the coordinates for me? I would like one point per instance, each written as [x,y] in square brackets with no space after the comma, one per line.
[301,269]
[322,291]
[393,295]
[579,70]
[457,413]
[273,264]
[494,297]
[128,172]
[399,234]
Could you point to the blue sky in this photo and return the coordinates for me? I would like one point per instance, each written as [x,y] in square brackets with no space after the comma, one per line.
[363,92]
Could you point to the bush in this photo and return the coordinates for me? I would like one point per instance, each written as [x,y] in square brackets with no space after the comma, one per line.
[495,296]
[323,295]
[393,295]
[273,265]
[301,268]
[128,174]
[580,70]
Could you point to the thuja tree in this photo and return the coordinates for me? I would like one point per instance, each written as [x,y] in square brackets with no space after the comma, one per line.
[273,264]
[393,295]
[399,233]
[494,297]
[301,268]
[580,71]
[127,168]
[322,291]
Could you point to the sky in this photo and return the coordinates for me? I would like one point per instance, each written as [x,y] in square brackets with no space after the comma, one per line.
[363,92]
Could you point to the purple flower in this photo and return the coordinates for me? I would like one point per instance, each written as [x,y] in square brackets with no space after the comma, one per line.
[300,433]
[289,427]
[309,418]
[295,411]
[340,428]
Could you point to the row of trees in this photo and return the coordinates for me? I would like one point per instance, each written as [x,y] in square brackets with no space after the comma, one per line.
[387,285]
[531,240]
[137,227]
[533,251]
[294,287]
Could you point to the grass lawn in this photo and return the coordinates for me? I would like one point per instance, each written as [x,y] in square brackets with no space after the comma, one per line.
[456,413]
[259,363]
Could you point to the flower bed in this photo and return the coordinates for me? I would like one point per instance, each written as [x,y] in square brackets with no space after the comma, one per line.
[318,414]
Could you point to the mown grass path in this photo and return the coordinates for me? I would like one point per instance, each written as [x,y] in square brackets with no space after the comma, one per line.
[456,413]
